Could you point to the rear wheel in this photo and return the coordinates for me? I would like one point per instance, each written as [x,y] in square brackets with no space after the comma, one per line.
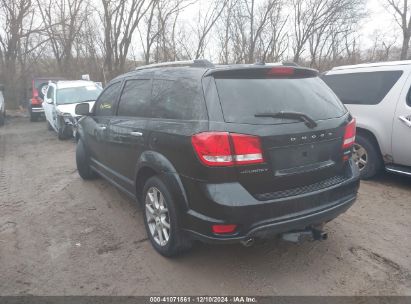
[162,220]
[367,156]
[83,162]
[49,127]
[2,118]
[33,117]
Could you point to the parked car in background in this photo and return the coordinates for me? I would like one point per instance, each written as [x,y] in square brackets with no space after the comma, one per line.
[60,101]
[378,95]
[2,108]
[38,91]
[222,153]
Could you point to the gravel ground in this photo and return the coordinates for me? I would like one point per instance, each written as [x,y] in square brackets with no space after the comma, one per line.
[60,235]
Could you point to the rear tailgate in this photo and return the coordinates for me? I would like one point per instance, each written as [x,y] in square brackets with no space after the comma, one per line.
[298,158]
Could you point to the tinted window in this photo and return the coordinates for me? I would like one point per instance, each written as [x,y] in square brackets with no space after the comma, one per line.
[179,99]
[409,97]
[104,104]
[362,88]
[135,99]
[241,99]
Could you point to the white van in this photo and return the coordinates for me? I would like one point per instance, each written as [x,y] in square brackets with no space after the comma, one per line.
[378,95]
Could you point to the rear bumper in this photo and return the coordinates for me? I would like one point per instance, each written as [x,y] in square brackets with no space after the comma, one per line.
[229,204]
[36,109]
[267,230]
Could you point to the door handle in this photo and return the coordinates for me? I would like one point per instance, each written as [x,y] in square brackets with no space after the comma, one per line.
[102,128]
[135,133]
[406,120]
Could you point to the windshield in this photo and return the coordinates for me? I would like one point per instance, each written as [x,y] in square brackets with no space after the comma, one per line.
[241,99]
[77,94]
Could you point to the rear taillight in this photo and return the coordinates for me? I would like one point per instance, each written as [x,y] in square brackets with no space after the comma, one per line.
[349,135]
[247,149]
[227,149]
[36,101]
[349,139]
[224,229]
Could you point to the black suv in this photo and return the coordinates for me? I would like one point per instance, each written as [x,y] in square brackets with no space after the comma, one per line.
[222,153]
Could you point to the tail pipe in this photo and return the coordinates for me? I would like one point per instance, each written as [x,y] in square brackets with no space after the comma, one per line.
[248,242]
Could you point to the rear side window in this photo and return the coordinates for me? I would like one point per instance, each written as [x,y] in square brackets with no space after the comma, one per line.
[104,104]
[135,99]
[178,99]
[362,88]
[241,99]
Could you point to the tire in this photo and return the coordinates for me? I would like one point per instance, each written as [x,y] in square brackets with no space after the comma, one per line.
[156,219]
[61,134]
[367,156]
[64,132]
[49,127]
[83,162]
[33,117]
[2,118]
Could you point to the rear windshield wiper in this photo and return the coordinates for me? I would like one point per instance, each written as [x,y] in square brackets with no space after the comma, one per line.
[309,122]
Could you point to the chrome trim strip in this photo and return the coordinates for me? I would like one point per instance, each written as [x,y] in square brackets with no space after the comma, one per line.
[397,171]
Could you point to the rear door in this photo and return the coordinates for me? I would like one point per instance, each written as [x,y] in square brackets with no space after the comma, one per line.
[296,153]
[401,145]
[127,130]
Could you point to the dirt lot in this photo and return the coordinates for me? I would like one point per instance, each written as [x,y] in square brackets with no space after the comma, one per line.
[60,235]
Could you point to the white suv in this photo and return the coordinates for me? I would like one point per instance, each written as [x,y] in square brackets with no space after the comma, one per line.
[60,102]
[378,95]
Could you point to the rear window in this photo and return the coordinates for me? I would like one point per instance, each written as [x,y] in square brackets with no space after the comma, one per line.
[362,88]
[241,99]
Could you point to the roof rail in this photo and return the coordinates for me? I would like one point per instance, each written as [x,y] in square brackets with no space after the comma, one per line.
[202,63]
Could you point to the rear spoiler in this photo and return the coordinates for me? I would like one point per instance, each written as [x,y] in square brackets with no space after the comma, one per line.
[263,71]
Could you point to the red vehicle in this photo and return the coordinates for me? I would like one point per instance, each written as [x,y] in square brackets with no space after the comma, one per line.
[38,90]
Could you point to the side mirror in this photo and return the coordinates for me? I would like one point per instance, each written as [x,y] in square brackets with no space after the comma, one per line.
[83,109]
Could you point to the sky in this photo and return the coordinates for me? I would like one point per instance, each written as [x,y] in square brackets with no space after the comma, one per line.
[378,23]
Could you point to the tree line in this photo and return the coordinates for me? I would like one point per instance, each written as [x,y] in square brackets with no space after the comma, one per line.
[105,38]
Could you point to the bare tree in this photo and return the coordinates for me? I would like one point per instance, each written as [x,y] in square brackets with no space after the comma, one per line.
[315,16]
[401,11]
[120,20]
[17,26]
[64,21]
[205,23]
[154,28]
[253,30]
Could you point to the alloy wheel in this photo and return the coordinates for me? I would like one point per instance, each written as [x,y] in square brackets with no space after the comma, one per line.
[158,218]
[360,156]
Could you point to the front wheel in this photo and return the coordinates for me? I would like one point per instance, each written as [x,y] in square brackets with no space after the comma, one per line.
[2,118]
[162,220]
[49,126]
[64,131]
[367,156]
[83,162]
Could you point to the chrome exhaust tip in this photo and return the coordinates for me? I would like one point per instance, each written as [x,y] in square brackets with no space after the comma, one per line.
[248,242]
